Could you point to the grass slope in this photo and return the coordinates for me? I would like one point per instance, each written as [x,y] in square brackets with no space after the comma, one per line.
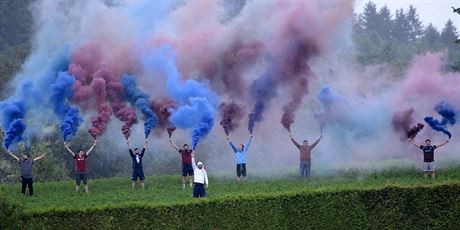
[165,190]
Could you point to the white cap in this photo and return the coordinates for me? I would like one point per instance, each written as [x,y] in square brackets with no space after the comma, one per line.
[199,163]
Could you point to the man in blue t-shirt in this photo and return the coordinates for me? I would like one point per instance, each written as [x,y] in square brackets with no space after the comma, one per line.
[240,153]
[136,156]
[428,156]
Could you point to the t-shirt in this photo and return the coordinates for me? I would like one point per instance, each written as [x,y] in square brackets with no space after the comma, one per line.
[137,165]
[26,168]
[80,163]
[305,150]
[428,153]
[186,156]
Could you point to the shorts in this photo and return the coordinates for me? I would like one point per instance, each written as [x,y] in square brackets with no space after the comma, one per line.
[241,170]
[138,173]
[187,170]
[199,191]
[82,176]
[428,166]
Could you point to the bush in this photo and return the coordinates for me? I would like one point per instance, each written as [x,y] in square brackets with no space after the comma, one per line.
[435,207]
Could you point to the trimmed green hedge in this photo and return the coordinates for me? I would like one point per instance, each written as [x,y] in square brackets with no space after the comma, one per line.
[431,207]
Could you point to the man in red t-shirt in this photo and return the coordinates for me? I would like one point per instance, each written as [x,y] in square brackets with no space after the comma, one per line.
[80,165]
[187,168]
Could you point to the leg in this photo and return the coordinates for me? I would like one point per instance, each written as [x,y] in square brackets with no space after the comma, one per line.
[301,170]
[238,172]
[142,178]
[432,169]
[183,181]
[85,181]
[30,185]
[184,175]
[24,184]
[191,180]
[243,171]
[307,168]
[77,182]
[133,185]
[425,169]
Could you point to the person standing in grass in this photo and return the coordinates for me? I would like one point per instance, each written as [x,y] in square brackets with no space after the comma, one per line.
[200,178]
[80,165]
[428,156]
[305,155]
[187,168]
[240,153]
[26,170]
[136,156]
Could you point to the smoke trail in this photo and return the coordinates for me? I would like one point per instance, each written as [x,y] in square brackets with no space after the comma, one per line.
[13,113]
[402,121]
[126,114]
[262,90]
[141,100]
[415,130]
[448,117]
[196,102]
[198,114]
[327,97]
[231,115]
[163,109]
[295,71]
[61,93]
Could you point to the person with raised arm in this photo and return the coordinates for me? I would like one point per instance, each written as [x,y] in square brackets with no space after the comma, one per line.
[428,156]
[187,169]
[80,165]
[200,178]
[305,155]
[26,170]
[240,154]
[136,156]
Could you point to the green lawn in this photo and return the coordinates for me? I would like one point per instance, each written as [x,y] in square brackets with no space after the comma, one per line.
[165,190]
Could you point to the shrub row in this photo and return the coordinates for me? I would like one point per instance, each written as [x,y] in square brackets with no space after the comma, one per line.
[431,207]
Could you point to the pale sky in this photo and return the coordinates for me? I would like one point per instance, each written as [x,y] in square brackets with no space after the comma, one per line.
[436,12]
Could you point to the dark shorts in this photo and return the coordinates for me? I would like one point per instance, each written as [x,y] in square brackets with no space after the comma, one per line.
[199,191]
[82,176]
[138,173]
[187,170]
[241,170]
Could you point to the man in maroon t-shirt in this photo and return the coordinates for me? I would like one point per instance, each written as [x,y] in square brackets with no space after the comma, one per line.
[187,168]
[80,165]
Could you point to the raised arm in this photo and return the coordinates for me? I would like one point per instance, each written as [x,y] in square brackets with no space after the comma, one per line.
[249,143]
[317,141]
[68,149]
[145,143]
[12,155]
[231,144]
[92,147]
[447,141]
[173,144]
[293,141]
[206,182]
[40,157]
[128,143]
[193,161]
[413,143]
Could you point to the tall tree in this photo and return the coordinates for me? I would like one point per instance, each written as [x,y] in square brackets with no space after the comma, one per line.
[449,34]
[415,25]
[430,40]
[401,27]
[384,23]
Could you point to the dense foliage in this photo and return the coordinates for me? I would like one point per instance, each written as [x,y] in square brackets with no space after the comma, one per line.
[389,199]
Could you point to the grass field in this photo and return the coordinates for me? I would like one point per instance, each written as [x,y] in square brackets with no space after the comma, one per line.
[166,190]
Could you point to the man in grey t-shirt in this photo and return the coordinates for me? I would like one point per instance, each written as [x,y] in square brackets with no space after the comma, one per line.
[26,170]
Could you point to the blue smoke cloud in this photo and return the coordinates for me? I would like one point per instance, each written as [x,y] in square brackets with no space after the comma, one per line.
[197,103]
[447,113]
[262,90]
[61,93]
[141,100]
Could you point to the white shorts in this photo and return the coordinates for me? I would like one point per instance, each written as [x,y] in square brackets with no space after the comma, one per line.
[428,167]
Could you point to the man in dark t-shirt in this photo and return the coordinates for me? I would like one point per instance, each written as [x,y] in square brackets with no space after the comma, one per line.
[26,170]
[428,156]
[187,168]
[80,165]
[136,156]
